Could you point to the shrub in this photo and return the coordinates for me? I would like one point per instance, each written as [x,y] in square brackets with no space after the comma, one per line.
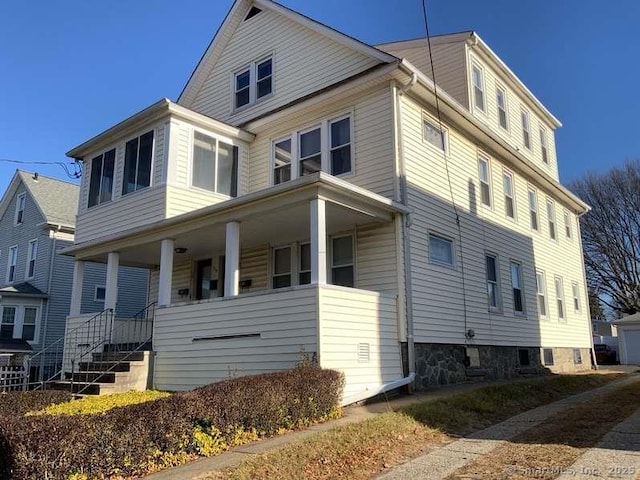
[99,404]
[19,403]
[137,439]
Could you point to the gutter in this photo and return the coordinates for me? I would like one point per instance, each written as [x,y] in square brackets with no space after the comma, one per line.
[358,397]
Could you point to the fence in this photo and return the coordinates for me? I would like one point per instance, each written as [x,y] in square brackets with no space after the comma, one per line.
[13,379]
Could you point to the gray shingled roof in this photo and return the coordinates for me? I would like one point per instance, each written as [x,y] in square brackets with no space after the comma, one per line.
[57,199]
[22,289]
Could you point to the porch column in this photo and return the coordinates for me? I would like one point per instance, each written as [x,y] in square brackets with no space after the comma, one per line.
[111,293]
[76,289]
[166,272]
[318,242]
[232,260]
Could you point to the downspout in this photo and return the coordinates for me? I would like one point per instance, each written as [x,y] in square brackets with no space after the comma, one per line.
[405,223]
[46,314]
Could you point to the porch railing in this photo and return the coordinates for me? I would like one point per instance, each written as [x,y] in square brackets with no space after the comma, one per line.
[14,378]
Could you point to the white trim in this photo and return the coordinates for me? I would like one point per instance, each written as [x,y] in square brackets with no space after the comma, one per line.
[29,259]
[21,204]
[190,159]
[568,228]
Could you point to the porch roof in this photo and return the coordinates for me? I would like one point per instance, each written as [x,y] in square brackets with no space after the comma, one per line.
[271,215]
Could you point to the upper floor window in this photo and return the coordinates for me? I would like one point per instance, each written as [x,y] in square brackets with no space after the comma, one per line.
[544,147]
[526,136]
[326,147]
[138,155]
[484,174]
[434,135]
[567,224]
[7,322]
[509,195]
[215,165]
[282,267]
[493,286]
[541,292]
[501,102]
[253,83]
[20,204]
[533,208]
[13,260]
[560,297]
[342,261]
[31,258]
[478,87]
[575,289]
[517,285]
[101,182]
[440,250]
[551,216]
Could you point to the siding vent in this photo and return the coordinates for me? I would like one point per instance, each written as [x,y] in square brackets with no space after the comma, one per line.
[252,13]
[364,353]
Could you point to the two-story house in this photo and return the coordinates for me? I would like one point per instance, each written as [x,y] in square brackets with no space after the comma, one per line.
[312,196]
[37,221]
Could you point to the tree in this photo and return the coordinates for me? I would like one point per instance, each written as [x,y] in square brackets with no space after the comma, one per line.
[611,235]
[595,306]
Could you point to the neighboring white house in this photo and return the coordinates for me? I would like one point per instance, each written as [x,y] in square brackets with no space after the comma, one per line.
[304,199]
[629,339]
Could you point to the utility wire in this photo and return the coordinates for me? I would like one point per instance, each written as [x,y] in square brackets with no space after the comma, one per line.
[73,170]
[446,165]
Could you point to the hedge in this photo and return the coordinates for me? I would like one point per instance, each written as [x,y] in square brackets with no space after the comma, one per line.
[139,439]
[100,403]
[19,403]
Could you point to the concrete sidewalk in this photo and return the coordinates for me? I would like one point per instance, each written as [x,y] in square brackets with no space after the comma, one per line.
[351,414]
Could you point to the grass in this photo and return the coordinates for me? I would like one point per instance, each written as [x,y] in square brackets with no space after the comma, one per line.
[555,444]
[99,404]
[363,449]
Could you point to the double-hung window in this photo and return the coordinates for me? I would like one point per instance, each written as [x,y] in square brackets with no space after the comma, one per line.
[282,267]
[526,135]
[13,260]
[434,135]
[551,217]
[215,165]
[281,161]
[253,83]
[29,320]
[20,204]
[7,322]
[493,285]
[544,146]
[560,298]
[509,195]
[533,208]
[541,291]
[138,155]
[440,250]
[32,253]
[567,225]
[478,87]
[501,101]
[101,180]
[517,286]
[342,261]
[575,289]
[484,175]
[325,147]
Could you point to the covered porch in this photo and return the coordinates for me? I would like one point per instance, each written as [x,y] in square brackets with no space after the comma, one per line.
[302,272]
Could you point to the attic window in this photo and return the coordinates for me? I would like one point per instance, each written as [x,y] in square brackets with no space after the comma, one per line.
[252,13]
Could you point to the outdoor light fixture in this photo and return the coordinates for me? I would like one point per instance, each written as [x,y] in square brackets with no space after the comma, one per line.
[180,250]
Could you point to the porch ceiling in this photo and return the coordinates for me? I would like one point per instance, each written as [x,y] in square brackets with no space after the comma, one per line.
[275,226]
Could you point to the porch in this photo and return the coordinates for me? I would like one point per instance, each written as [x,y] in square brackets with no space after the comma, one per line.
[303,272]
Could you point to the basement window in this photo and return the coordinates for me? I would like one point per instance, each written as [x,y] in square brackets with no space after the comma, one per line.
[547,356]
[523,357]
[577,356]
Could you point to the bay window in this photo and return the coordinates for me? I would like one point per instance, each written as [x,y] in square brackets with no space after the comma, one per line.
[138,155]
[101,179]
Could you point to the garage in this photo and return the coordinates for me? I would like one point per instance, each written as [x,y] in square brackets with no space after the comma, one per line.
[629,339]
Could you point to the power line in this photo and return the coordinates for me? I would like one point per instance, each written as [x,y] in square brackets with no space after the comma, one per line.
[446,166]
[73,170]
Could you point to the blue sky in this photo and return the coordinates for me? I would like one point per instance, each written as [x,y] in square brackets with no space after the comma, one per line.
[70,69]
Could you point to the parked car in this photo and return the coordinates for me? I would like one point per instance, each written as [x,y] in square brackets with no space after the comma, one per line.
[604,354]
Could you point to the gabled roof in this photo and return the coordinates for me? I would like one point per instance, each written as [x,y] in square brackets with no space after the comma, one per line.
[236,16]
[24,289]
[629,320]
[56,200]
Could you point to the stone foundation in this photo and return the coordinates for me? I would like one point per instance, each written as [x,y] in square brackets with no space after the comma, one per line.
[443,364]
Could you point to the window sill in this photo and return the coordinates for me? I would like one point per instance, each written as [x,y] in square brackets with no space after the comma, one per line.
[244,108]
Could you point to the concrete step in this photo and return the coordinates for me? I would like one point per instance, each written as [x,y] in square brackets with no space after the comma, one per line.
[476,372]
[104,366]
[85,388]
[121,347]
[118,356]
[102,377]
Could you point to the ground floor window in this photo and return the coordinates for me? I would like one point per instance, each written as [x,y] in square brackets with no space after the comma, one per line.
[8,322]
[18,321]
[342,263]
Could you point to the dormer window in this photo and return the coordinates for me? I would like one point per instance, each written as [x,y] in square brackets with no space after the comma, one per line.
[478,87]
[101,182]
[20,203]
[138,155]
[253,83]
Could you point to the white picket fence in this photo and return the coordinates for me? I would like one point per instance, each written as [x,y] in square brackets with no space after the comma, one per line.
[13,379]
